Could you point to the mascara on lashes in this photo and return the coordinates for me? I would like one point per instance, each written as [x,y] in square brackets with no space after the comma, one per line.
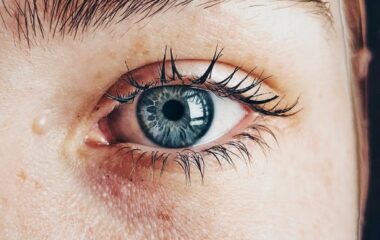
[219,88]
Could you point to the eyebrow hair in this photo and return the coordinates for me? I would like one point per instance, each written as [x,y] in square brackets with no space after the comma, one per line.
[70,17]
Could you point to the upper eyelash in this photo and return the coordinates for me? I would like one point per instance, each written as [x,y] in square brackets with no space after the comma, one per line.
[219,88]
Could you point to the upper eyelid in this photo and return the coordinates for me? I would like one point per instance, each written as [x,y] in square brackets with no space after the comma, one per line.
[167,73]
[222,88]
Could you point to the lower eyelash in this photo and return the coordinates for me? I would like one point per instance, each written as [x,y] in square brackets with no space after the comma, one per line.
[187,158]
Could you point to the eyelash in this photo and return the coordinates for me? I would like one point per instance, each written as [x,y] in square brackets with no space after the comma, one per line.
[220,152]
[187,157]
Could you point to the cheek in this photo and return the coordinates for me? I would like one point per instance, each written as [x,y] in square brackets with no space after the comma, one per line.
[314,175]
[147,204]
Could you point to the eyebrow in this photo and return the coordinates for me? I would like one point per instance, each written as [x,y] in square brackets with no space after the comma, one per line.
[71,17]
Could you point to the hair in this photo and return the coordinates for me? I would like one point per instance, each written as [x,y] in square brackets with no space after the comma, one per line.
[360,57]
[356,20]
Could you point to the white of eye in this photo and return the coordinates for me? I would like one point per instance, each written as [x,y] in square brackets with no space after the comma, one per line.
[228,114]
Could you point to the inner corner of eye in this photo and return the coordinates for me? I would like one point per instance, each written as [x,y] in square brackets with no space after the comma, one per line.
[98,132]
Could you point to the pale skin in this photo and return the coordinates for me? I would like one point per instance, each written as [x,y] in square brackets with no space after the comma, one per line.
[304,187]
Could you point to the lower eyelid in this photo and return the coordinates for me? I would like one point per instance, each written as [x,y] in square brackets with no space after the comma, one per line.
[125,160]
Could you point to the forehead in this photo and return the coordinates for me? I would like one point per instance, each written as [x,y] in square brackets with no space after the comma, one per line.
[29,18]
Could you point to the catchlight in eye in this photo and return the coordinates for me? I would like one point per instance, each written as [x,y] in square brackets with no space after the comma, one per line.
[175,116]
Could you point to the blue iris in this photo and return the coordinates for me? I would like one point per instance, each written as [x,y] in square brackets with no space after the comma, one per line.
[175,116]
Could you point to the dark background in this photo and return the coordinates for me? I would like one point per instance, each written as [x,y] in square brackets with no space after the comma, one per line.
[372,225]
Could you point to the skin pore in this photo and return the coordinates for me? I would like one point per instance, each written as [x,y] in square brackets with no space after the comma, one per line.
[53,90]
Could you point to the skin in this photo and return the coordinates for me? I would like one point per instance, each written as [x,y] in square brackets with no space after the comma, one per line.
[304,187]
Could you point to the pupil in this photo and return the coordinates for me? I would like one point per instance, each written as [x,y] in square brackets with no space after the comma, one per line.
[173,110]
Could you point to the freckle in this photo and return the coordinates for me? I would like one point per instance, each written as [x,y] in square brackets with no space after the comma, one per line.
[146,52]
[41,124]
[37,185]
[140,45]
[22,175]
[112,55]
[3,202]
[163,216]
[98,75]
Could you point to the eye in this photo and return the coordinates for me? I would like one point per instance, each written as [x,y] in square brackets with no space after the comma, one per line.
[175,117]
[190,112]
